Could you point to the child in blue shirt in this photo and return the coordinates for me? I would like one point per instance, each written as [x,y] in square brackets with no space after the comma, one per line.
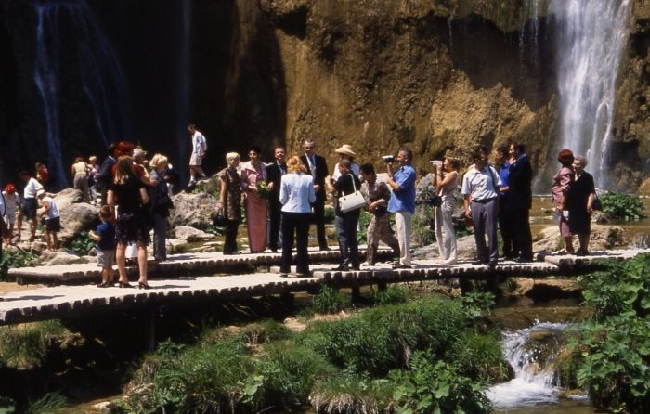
[105,238]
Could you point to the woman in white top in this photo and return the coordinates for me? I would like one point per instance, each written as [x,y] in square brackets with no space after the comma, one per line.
[446,181]
[296,195]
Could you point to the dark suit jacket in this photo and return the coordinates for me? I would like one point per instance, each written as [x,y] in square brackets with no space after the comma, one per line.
[273,175]
[321,172]
[521,175]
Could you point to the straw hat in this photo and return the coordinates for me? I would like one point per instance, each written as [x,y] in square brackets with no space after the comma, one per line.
[347,150]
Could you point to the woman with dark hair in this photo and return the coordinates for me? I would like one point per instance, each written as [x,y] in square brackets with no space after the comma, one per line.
[130,195]
[346,223]
[579,204]
[560,187]
[296,195]
[230,201]
[253,182]
[446,180]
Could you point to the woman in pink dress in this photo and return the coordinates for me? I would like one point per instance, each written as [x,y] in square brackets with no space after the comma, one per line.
[559,190]
[253,181]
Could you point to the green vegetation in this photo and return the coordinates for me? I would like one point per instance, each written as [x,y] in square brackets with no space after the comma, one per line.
[613,346]
[81,244]
[25,346]
[11,259]
[387,358]
[622,206]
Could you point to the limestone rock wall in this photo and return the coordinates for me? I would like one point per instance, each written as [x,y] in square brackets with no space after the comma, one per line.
[438,76]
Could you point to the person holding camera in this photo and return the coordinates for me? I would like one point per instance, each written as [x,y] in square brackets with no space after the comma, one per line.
[379,227]
[402,201]
[446,180]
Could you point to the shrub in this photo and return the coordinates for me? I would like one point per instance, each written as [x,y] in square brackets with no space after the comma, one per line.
[392,295]
[614,344]
[285,374]
[351,392]
[622,206]
[81,244]
[436,387]
[26,347]
[478,356]
[12,259]
[329,300]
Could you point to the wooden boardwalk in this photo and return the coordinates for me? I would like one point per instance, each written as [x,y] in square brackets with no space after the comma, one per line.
[194,276]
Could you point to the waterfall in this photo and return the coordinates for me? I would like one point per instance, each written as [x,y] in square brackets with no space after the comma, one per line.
[183,88]
[591,35]
[102,80]
[534,381]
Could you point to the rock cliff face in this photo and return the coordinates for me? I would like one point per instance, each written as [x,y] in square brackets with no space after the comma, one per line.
[437,76]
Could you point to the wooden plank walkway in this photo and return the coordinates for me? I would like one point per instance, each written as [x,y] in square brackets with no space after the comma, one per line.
[207,276]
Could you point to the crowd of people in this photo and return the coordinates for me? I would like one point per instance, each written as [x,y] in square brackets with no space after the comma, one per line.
[281,199]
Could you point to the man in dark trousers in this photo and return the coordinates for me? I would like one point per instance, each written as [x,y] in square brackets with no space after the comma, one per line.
[520,201]
[317,167]
[274,171]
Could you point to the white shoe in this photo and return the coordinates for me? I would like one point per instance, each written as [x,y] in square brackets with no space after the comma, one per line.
[450,262]
[366,264]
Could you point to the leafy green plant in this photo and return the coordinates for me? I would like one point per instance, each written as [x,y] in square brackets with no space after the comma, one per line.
[436,387]
[477,303]
[613,344]
[391,295]
[46,404]
[622,206]
[12,259]
[81,244]
[329,300]
[26,347]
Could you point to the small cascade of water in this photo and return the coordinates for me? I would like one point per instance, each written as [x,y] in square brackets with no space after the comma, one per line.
[534,379]
[529,36]
[183,87]
[102,78]
[591,35]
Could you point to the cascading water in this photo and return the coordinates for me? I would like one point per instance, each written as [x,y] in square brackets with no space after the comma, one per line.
[102,79]
[591,36]
[534,381]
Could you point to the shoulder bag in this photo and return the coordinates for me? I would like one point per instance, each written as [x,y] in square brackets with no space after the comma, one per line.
[596,204]
[353,201]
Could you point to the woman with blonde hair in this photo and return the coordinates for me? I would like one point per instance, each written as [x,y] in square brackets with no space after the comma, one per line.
[296,195]
[159,205]
[129,193]
[446,180]
[230,201]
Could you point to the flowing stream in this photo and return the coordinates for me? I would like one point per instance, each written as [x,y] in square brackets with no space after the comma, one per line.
[530,352]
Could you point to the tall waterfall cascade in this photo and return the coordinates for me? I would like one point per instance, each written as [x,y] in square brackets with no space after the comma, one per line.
[102,79]
[591,37]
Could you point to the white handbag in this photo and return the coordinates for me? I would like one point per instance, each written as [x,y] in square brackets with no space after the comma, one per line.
[352,201]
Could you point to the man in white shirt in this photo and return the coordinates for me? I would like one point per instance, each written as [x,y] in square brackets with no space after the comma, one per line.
[29,203]
[480,190]
[199,147]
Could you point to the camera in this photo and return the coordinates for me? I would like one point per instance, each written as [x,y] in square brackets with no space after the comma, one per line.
[388,158]
[436,163]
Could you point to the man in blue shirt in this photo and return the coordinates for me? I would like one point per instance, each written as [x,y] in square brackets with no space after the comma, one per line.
[506,225]
[402,202]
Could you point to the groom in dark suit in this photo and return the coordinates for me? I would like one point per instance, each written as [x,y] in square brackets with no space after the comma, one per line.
[317,167]
[274,172]
[520,201]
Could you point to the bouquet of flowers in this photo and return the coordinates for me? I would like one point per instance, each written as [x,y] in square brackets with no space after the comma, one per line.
[262,189]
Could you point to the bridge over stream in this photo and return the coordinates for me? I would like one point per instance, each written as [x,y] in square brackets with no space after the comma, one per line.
[191,277]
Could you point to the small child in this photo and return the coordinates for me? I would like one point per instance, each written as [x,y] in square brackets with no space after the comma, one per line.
[11,204]
[105,238]
[52,224]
